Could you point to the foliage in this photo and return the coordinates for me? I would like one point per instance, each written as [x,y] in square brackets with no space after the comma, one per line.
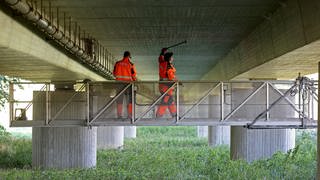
[23,135]
[4,135]
[176,153]
[4,89]
[14,153]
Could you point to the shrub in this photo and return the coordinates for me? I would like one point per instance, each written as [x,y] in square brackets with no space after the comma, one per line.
[14,153]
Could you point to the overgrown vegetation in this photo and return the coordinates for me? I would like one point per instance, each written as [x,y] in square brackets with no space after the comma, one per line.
[169,153]
[4,89]
[14,152]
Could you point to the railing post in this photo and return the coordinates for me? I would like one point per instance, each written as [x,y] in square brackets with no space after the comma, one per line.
[267,101]
[309,103]
[299,100]
[222,101]
[88,102]
[312,106]
[48,111]
[177,103]
[318,129]
[11,99]
[133,103]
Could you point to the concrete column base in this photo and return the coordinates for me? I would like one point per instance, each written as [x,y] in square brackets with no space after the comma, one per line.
[130,131]
[110,137]
[218,135]
[64,147]
[254,144]
[202,131]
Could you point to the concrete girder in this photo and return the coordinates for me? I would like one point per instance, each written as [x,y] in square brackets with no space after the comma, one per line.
[19,48]
[285,44]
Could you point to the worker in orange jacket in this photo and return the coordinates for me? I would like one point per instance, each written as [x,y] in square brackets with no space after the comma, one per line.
[162,63]
[166,73]
[124,70]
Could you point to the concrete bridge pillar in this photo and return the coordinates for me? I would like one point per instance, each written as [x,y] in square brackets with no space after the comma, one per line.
[201,112]
[202,131]
[64,147]
[110,137]
[254,144]
[218,135]
[130,131]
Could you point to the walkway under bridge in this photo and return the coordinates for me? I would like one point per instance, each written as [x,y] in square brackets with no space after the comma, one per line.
[255,104]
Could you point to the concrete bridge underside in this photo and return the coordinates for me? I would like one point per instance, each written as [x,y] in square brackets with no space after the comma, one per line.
[26,55]
[250,39]
[226,39]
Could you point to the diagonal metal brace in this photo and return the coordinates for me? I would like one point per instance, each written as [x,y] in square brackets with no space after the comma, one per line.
[314,94]
[288,100]
[272,105]
[67,103]
[157,100]
[199,101]
[29,105]
[110,103]
[283,96]
[246,100]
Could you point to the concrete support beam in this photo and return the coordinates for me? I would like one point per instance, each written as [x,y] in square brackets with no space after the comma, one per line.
[130,131]
[266,52]
[64,147]
[19,47]
[110,137]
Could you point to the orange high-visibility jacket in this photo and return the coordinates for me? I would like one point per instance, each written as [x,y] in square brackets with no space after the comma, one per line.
[166,73]
[124,70]
[171,72]
[162,67]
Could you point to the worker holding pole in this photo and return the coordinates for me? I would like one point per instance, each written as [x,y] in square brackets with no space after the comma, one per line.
[166,73]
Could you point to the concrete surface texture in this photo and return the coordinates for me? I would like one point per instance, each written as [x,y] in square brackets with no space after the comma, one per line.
[64,147]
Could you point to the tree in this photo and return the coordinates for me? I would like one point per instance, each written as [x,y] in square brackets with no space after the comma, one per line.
[4,89]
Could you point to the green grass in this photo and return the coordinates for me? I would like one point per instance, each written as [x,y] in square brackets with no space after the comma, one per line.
[176,153]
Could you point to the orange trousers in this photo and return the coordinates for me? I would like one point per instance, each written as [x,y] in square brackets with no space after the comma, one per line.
[167,101]
[128,96]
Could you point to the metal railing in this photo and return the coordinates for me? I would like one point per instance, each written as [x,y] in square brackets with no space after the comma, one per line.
[67,33]
[254,104]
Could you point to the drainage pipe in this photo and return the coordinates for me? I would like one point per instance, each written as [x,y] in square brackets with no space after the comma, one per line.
[44,24]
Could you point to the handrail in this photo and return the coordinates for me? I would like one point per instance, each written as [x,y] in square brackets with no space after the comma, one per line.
[203,89]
